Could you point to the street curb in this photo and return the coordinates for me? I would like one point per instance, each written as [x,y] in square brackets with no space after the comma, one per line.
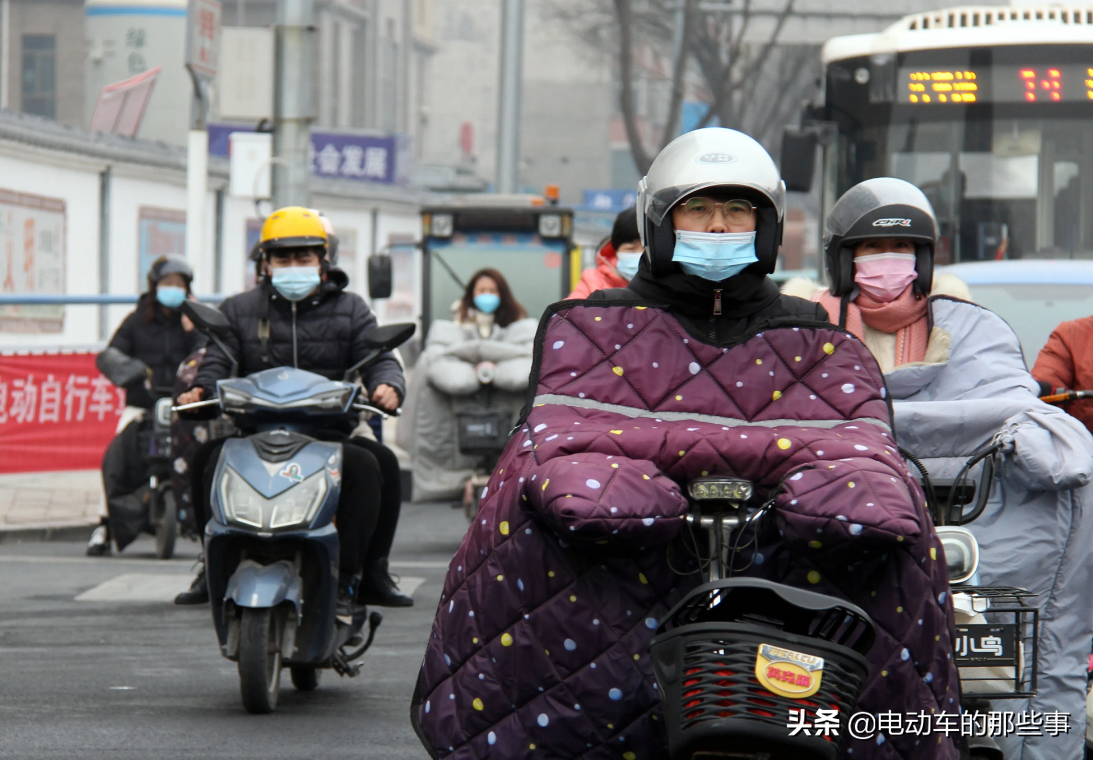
[39,533]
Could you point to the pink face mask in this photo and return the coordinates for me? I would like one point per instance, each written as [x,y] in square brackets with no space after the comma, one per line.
[884,276]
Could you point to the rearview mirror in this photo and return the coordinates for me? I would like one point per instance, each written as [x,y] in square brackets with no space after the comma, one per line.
[379,276]
[798,159]
[389,336]
[206,317]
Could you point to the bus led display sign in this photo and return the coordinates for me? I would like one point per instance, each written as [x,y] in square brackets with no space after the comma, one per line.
[999,84]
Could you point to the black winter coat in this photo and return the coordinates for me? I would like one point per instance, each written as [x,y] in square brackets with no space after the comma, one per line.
[745,301]
[324,336]
[159,342]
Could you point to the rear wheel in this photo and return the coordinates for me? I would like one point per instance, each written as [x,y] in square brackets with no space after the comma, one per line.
[305,678]
[165,515]
[259,660]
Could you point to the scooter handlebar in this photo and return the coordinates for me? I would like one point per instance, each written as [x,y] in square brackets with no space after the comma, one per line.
[195,405]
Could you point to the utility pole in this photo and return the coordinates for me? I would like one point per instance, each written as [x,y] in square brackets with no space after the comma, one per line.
[292,107]
[202,62]
[509,106]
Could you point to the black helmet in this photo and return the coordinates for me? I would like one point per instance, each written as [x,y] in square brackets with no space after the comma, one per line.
[882,207]
[172,263]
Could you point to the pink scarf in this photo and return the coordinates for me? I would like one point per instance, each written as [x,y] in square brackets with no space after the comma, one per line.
[906,317]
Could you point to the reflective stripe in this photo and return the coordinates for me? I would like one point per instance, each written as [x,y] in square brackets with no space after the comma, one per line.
[630,411]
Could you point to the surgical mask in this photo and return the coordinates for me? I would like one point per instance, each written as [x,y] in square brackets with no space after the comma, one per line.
[170,296]
[714,256]
[295,283]
[487,303]
[627,264]
[884,276]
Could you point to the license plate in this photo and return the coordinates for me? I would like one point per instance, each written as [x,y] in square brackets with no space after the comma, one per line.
[986,644]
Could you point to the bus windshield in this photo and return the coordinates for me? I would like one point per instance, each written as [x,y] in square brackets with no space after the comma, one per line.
[999,139]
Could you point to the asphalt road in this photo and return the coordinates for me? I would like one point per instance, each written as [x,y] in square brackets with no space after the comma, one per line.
[119,674]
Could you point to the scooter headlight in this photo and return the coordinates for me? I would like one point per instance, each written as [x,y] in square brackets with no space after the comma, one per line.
[299,504]
[961,553]
[296,506]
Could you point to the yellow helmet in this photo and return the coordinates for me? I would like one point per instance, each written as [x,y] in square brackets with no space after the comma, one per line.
[293,227]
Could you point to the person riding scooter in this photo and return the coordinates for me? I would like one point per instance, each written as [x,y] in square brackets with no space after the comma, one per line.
[302,316]
[699,369]
[142,358]
[958,381]
[617,260]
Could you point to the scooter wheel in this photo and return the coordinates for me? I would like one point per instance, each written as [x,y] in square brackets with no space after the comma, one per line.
[305,678]
[165,511]
[259,660]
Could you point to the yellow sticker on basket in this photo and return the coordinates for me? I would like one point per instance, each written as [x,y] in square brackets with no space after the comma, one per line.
[788,673]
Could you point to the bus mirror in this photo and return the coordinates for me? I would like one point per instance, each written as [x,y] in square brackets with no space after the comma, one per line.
[798,159]
[379,276]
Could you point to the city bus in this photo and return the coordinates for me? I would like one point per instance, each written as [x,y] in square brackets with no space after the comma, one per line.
[987,109]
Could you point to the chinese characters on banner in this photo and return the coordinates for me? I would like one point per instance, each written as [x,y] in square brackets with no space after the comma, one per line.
[57,412]
[32,259]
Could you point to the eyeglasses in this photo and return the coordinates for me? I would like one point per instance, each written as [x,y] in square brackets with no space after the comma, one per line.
[700,210]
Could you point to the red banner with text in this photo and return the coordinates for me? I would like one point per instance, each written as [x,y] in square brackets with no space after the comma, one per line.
[57,412]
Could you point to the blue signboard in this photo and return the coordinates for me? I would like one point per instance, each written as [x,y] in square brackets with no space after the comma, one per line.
[336,155]
[612,201]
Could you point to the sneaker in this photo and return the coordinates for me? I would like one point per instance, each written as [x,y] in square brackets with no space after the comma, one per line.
[198,593]
[380,589]
[99,545]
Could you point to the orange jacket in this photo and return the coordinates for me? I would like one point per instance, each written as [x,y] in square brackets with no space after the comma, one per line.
[1066,361]
[602,276]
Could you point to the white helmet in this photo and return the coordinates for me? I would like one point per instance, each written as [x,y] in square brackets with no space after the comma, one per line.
[712,157]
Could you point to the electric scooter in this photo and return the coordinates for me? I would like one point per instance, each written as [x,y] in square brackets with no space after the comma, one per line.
[271,547]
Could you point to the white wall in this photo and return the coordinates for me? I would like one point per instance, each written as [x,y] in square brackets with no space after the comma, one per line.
[76,182]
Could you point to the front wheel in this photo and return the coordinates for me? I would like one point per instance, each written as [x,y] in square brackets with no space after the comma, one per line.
[259,660]
[165,516]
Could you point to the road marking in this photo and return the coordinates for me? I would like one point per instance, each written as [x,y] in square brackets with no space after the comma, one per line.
[118,562]
[134,587]
[408,584]
[138,587]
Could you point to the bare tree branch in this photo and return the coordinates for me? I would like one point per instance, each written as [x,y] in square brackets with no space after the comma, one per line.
[641,158]
[679,69]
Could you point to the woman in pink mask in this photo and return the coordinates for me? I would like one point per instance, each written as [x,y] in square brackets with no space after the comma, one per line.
[879,255]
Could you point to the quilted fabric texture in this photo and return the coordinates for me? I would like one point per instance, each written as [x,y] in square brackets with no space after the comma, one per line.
[539,648]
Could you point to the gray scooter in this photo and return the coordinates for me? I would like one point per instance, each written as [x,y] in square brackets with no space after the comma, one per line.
[271,547]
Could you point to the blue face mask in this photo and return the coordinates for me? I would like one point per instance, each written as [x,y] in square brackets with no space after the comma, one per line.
[487,303]
[714,256]
[170,296]
[627,264]
[295,283]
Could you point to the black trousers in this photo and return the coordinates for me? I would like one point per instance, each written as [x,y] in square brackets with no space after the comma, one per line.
[125,472]
[359,506]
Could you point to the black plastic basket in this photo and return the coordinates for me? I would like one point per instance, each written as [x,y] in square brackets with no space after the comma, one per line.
[705,658]
[483,431]
[1003,666]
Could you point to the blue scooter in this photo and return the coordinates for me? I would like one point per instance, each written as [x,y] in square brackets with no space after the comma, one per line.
[271,548]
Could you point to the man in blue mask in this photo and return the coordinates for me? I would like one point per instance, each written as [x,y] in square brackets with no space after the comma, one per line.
[300,315]
[710,214]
